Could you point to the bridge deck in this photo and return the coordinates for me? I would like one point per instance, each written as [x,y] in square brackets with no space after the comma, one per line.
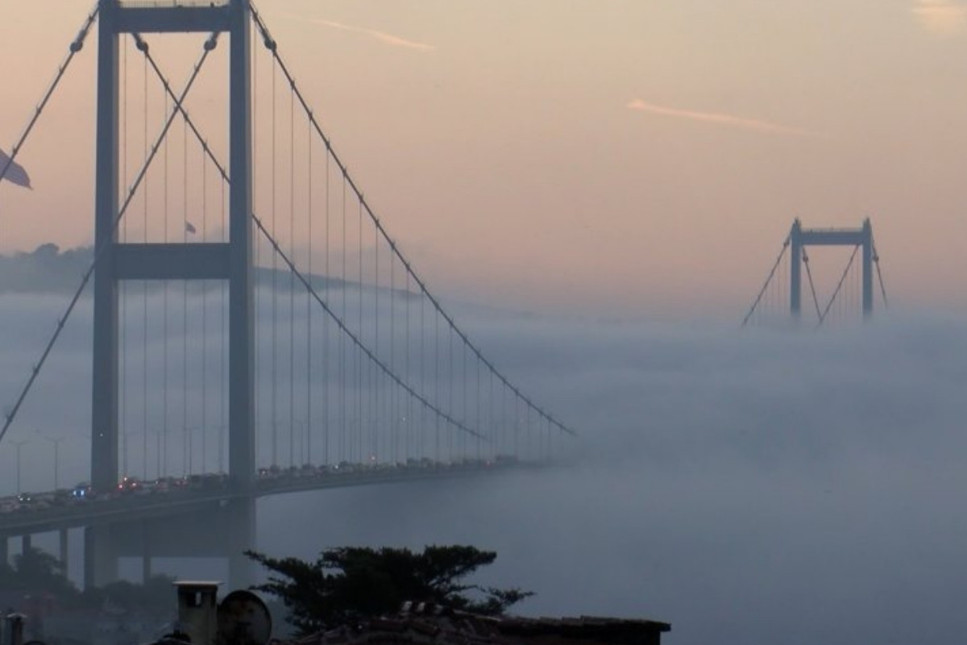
[151,505]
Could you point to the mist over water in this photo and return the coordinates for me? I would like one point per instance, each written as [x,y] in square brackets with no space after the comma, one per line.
[751,488]
[748,487]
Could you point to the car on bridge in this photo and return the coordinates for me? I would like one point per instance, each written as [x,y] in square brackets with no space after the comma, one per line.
[82,491]
[130,485]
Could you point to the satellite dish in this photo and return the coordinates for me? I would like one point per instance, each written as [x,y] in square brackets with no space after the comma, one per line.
[243,619]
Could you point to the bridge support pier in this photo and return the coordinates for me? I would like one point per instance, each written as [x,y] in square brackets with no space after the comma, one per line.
[147,551]
[63,554]
[26,544]
[241,538]
[100,557]
[4,550]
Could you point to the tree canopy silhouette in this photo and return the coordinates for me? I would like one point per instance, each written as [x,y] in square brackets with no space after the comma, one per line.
[348,583]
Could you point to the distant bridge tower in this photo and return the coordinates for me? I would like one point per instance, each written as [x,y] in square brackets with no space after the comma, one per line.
[231,261]
[773,301]
[799,238]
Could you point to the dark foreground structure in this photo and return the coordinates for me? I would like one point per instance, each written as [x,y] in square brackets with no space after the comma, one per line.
[419,624]
[241,618]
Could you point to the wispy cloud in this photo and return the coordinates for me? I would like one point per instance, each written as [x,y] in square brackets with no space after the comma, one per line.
[716,118]
[944,17]
[381,36]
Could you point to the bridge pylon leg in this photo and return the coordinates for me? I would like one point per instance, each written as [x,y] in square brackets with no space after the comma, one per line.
[867,242]
[4,550]
[795,271]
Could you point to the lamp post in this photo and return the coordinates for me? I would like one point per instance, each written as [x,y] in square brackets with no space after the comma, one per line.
[19,445]
[56,441]
[221,448]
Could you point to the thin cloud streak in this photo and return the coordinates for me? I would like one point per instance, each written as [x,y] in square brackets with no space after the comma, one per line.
[381,36]
[943,17]
[729,120]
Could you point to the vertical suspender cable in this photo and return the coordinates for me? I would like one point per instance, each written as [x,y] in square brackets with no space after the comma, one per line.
[164,319]
[144,288]
[326,345]
[466,401]
[393,414]
[361,440]
[423,374]
[257,242]
[344,377]
[223,335]
[186,433]
[275,290]
[408,420]
[309,174]
[204,321]
[122,332]
[374,378]
[292,280]
[451,384]
[436,380]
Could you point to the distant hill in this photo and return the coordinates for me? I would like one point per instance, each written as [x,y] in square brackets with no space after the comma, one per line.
[47,269]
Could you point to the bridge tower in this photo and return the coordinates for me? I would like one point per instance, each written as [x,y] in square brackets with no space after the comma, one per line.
[800,237]
[231,261]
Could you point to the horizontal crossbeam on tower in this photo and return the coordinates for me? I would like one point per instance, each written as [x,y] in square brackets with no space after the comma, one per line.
[204,261]
[832,237]
[171,17]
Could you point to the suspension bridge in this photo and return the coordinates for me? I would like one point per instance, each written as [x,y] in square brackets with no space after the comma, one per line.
[781,297]
[257,330]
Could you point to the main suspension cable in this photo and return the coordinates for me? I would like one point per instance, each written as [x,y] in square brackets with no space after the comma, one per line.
[762,291]
[356,340]
[271,45]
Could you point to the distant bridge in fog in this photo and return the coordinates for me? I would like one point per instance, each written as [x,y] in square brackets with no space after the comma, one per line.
[781,296]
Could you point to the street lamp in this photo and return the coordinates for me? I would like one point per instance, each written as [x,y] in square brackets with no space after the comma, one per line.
[221,448]
[19,445]
[56,441]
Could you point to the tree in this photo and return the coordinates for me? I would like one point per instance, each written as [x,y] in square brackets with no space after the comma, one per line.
[36,572]
[349,583]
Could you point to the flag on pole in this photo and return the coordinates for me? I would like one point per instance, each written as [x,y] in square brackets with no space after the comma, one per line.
[189,227]
[15,173]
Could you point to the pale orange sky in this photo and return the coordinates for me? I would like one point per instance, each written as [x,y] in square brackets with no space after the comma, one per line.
[643,156]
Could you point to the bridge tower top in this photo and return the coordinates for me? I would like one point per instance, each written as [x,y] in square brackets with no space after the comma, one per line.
[773,299]
[800,237]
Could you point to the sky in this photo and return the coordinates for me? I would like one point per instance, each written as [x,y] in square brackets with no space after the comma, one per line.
[644,158]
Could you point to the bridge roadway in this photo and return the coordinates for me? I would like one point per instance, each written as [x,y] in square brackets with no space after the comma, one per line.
[176,502]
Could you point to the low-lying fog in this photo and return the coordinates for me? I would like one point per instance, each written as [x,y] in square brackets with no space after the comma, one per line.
[748,487]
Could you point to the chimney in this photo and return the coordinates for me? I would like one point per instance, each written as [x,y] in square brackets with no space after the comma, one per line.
[14,629]
[197,611]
